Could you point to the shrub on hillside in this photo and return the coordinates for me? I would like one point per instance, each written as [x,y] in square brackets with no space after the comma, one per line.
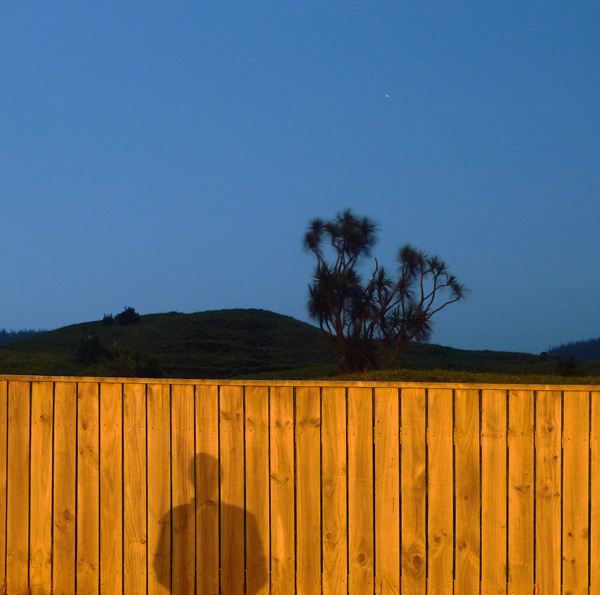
[128,316]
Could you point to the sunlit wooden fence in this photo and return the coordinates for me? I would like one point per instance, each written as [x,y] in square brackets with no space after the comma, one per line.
[196,487]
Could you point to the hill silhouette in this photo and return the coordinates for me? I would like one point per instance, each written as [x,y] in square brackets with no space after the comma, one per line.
[252,343]
[212,344]
[580,350]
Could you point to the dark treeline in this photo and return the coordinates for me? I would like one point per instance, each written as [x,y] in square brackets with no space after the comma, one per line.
[580,350]
[12,336]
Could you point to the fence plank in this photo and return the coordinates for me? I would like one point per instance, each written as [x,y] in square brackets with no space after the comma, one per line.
[467,479]
[111,487]
[595,490]
[40,547]
[158,399]
[88,489]
[548,491]
[520,491]
[575,494]
[308,481]
[441,482]
[207,489]
[17,501]
[335,547]
[387,491]
[257,488]
[3,482]
[134,488]
[232,490]
[65,487]
[413,484]
[183,489]
[360,491]
[282,491]
[493,491]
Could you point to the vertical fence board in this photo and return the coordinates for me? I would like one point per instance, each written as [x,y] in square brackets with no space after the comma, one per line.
[40,557]
[441,481]
[257,488]
[65,488]
[111,487]
[520,491]
[135,535]
[575,494]
[308,482]
[548,491]
[467,491]
[413,484]
[88,488]
[232,490]
[594,492]
[159,488]
[493,492]
[335,547]
[17,502]
[3,482]
[387,491]
[183,489]
[282,491]
[360,491]
[207,489]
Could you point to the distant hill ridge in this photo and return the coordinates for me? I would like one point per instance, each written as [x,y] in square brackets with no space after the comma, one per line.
[7,337]
[582,351]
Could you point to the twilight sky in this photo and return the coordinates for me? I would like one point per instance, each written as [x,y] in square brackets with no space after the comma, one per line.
[168,155]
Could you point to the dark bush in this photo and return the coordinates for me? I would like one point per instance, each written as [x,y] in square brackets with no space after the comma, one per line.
[128,316]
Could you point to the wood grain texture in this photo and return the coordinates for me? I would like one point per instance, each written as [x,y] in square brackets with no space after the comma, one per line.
[575,492]
[40,546]
[135,534]
[387,491]
[414,488]
[3,474]
[88,489]
[65,487]
[467,480]
[158,400]
[207,489]
[258,527]
[17,501]
[594,490]
[308,481]
[493,492]
[441,483]
[296,488]
[282,492]
[360,491]
[183,474]
[520,491]
[548,491]
[111,487]
[232,490]
[334,492]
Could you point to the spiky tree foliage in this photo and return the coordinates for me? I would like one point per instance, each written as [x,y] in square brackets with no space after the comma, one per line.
[372,321]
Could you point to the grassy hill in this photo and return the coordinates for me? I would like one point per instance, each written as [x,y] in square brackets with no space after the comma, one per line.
[256,344]
[214,344]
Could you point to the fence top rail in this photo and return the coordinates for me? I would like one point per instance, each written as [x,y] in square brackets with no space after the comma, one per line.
[299,383]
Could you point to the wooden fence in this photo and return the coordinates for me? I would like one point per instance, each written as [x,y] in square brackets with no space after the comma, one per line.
[195,487]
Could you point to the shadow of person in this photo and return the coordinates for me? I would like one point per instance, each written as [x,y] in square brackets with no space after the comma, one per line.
[203,543]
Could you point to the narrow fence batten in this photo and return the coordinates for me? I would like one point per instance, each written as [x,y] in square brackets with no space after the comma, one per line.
[157,487]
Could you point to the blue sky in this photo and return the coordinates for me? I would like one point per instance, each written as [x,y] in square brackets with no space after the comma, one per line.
[169,155]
